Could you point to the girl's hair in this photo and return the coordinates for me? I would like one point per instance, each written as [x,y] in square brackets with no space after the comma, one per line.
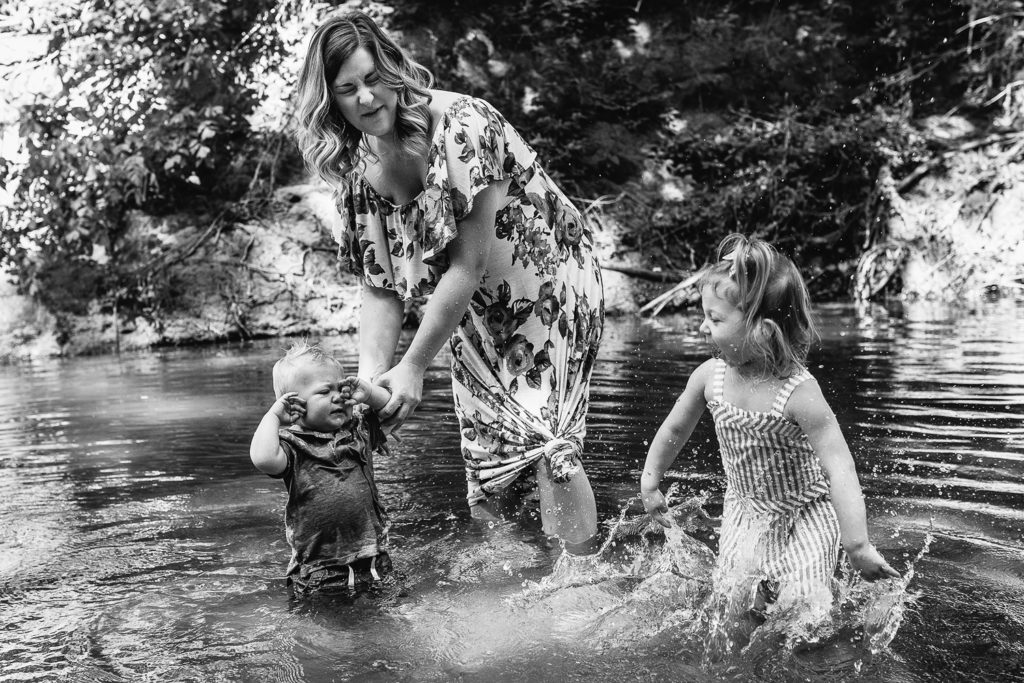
[329,144]
[299,355]
[767,287]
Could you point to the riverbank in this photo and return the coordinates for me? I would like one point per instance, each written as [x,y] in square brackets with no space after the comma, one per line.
[953,237]
[270,278]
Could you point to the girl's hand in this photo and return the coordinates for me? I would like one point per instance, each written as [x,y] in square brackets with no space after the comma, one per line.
[405,381]
[656,506]
[870,563]
[288,409]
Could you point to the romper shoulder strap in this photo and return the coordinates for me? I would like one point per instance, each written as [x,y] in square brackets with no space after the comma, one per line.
[795,380]
[718,383]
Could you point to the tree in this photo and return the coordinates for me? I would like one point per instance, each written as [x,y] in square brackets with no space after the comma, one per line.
[151,115]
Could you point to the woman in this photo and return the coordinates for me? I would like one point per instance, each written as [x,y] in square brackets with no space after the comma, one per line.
[439,194]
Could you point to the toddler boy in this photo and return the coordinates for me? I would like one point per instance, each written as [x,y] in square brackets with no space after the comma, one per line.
[334,521]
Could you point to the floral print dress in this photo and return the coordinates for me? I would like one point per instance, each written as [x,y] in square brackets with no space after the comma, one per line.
[523,354]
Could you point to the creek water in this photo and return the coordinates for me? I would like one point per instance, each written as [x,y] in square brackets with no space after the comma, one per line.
[137,542]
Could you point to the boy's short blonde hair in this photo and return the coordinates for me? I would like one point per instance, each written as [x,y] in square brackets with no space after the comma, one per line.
[300,354]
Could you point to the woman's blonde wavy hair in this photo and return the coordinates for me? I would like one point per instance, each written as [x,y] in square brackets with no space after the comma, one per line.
[328,143]
[767,287]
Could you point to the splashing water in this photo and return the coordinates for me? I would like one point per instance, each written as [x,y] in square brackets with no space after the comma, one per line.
[137,542]
[656,588]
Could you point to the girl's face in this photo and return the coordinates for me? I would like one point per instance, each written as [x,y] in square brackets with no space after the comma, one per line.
[723,326]
[362,98]
[321,386]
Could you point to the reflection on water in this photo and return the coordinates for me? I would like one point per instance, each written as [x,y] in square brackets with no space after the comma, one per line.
[138,543]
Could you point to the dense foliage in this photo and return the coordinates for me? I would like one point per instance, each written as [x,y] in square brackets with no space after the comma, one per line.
[704,118]
[151,115]
[697,118]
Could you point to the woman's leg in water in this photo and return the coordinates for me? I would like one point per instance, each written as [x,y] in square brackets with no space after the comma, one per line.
[568,510]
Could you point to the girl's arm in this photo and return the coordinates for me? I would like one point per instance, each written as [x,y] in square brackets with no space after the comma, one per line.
[468,254]
[811,411]
[672,435]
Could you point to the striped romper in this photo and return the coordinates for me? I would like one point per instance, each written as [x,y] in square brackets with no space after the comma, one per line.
[778,524]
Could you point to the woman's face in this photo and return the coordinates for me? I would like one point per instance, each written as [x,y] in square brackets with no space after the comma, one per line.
[362,98]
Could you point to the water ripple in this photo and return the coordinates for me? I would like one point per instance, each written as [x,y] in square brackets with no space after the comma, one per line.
[138,543]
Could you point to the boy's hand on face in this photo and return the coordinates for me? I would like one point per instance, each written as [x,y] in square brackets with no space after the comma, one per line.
[288,409]
[355,390]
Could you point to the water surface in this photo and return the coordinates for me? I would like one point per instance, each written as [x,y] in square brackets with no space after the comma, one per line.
[137,542]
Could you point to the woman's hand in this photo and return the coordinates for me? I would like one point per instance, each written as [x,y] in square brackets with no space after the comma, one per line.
[870,563]
[405,381]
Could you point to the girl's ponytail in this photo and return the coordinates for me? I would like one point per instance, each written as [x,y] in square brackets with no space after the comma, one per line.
[769,290]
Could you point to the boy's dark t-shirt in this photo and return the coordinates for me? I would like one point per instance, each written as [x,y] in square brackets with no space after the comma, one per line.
[333,516]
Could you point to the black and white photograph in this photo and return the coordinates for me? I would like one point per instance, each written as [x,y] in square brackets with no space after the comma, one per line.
[511,340]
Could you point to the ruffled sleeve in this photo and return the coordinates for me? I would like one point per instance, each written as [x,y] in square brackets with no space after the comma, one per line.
[378,241]
[345,232]
[402,248]
[476,147]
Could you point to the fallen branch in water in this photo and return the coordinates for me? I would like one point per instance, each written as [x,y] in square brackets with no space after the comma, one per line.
[687,288]
[645,273]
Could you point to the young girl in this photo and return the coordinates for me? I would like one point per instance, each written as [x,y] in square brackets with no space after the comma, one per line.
[792,491]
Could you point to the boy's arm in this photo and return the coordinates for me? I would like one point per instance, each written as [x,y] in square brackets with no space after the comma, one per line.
[265,450]
[811,411]
[670,438]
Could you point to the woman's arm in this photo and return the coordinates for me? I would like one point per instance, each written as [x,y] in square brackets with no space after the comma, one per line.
[380,324]
[811,411]
[673,434]
[468,254]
